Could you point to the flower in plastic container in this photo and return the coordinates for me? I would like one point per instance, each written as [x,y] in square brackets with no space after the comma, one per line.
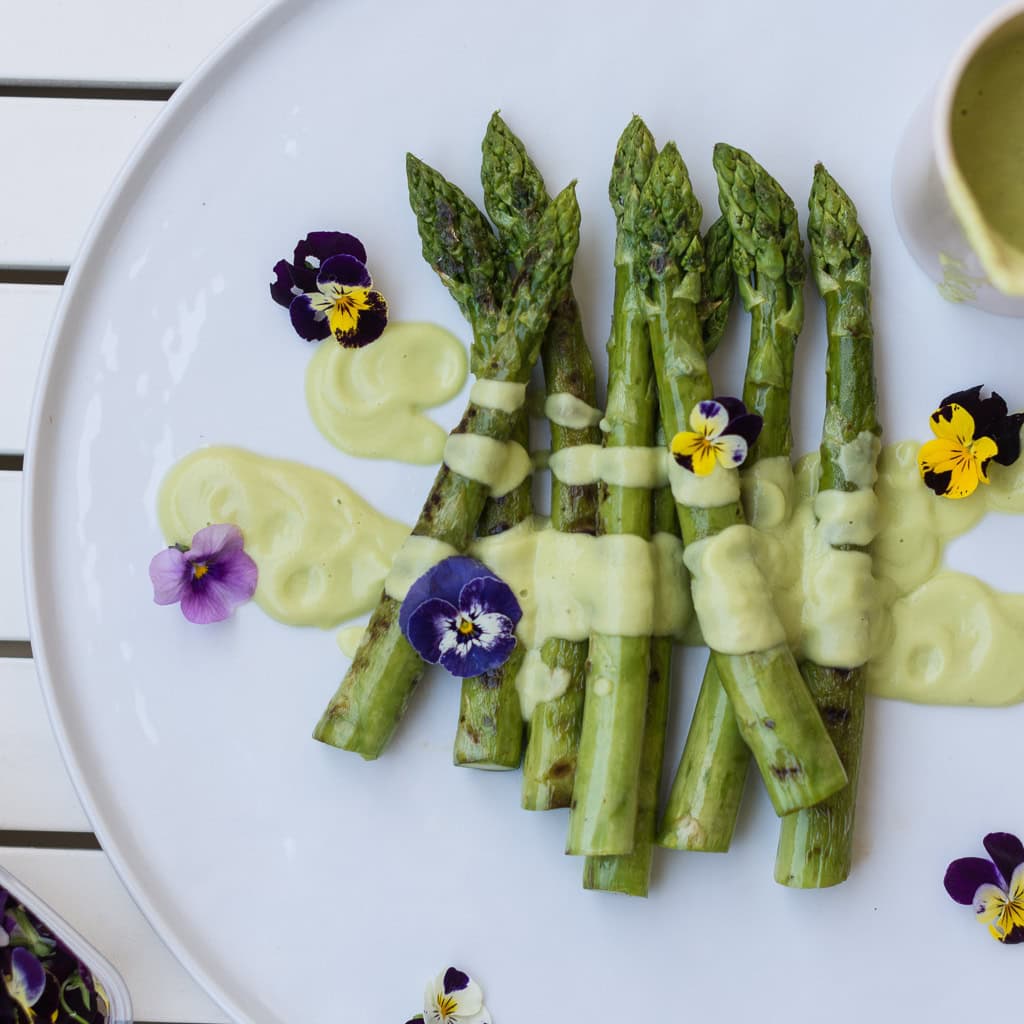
[209,579]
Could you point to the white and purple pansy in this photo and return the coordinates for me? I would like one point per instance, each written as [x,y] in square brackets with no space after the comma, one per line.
[26,980]
[453,997]
[210,578]
[460,615]
[328,290]
[722,433]
[993,886]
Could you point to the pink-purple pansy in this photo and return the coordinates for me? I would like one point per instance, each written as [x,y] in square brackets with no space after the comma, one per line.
[460,615]
[994,886]
[209,578]
[328,290]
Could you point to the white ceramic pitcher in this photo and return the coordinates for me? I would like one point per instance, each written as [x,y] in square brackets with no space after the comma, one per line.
[938,215]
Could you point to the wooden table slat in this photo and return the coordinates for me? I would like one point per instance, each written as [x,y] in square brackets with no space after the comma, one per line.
[120,42]
[67,155]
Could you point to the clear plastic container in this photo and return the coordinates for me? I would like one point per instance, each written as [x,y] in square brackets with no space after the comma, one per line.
[108,983]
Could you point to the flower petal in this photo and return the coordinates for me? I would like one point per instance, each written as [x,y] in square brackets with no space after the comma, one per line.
[1006,434]
[429,627]
[685,444]
[215,540]
[1006,851]
[747,426]
[478,656]
[282,288]
[308,323]
[369,324]
[984,451]
[984,410]
[346,271]
[28,979]
[208,600]
[948,468]
[989,902]
[170,573]
[709,418]
[444,580]
[731,450]
[733,406]
[453,980]
[488,594]
[964,877]
[705,459]
[236,573]
[319,246]
[953,423]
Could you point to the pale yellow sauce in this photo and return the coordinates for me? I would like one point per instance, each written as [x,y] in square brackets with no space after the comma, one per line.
[321,550]
[369,401]
[936,636]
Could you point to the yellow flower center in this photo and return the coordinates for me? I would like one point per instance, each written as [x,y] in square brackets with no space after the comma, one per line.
[1011,915]
[199,570]
[446,1005]
[343,316]
[465,625]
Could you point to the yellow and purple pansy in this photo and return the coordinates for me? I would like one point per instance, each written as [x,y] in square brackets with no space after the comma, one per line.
[328,290]
[994,886]
[453,998]
[721,432]
[460,615]
[970,432]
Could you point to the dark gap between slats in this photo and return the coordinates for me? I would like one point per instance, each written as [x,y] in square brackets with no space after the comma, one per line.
[15,275]
[49,840]
[63,91]
[12,463]
[15,649]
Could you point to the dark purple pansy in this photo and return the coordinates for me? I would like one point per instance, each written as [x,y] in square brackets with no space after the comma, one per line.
[460,615]
[210,578]
[993,886]
[328,290]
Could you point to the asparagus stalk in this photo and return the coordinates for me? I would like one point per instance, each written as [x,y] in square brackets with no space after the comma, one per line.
[775,713]
[815,845]
[490,731]
[515,197]
[458,244]
[767,255]
[718,285]
[630,873]
[605,795]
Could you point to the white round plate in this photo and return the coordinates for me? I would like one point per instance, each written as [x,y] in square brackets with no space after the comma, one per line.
[297,882]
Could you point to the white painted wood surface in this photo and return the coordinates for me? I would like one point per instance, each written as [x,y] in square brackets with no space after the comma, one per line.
[118,42]
[62,152]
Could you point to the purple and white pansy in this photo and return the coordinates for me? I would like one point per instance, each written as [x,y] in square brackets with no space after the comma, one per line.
[453,997]
[328,290]
[721,432]
[210,578]
[994,886]
[460,615]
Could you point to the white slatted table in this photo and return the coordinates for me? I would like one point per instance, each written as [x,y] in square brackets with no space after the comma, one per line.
[79,84]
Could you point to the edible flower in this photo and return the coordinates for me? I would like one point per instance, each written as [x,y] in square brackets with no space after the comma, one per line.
[453,998]
[970,431]
[722,433]
[26,981]
[461,615]
[328,290]
[994,887]
[210,578]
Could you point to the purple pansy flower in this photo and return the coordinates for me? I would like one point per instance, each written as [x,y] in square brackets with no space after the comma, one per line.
[210,578]
[995,887]
[27,980]
[453,998]
[722,433]
[459,614]
[328,290]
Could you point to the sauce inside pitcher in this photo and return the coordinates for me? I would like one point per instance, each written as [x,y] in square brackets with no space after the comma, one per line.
[986,124]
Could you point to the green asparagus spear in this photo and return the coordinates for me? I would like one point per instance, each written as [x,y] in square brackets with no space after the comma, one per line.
[815,845]
[605,794]
[515,197]
[767,255]
[718,284]
[775,713]
[507,335]
[630,873]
